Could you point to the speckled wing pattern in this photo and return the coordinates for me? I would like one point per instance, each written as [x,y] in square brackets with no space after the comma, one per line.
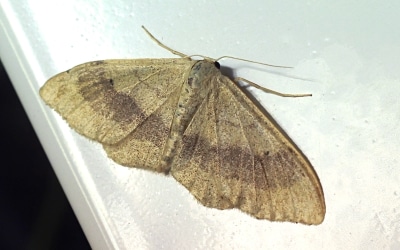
[184,117]
[234,156]
[108,100]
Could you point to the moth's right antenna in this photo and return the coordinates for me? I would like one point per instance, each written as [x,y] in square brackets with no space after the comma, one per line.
[245,60]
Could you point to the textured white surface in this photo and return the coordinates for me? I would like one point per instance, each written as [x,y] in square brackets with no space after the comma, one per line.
[345,54]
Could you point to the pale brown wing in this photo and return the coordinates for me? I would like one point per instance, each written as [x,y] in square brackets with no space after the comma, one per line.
[106,100]
[143,147]
[234,155]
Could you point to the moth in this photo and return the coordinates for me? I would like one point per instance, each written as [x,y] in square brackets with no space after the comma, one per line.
[182,117]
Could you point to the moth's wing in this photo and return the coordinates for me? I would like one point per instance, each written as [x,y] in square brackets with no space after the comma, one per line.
[143,147]
[234,155]
[106,100]
[127,105]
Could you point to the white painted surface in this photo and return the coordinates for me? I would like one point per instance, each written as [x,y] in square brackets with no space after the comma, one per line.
[348,54]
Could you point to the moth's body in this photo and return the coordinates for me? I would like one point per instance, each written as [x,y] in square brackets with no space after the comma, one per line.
[184,117]
[193,92]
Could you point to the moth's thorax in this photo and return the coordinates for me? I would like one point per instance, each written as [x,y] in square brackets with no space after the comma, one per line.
[200,76]
[193,93]
[195,89]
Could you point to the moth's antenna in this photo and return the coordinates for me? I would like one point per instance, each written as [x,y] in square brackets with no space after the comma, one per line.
[222,57]
[245,60]
[231,57]
[164,46]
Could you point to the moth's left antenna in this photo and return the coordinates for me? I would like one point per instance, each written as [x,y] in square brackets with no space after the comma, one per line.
[163,45]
